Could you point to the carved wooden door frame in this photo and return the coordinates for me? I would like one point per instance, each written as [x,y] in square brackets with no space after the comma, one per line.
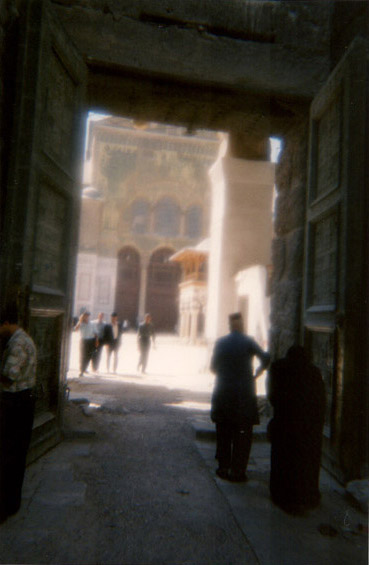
[335,312]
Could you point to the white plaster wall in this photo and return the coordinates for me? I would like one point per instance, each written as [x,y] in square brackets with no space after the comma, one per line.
[252,283]
[240,231]
[218,189]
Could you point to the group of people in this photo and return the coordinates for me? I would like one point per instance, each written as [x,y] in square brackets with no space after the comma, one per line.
[295,390]
[97,333]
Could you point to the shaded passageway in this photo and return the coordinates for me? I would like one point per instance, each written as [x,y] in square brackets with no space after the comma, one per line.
[127,486]
[133,484]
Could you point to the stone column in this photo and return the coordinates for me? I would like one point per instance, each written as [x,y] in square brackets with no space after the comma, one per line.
[288,243]
[194,322]
[143,287]
[240,231]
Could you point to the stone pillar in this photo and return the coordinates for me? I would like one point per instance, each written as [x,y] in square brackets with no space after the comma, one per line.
[240,231]
[288,243]
[143,287]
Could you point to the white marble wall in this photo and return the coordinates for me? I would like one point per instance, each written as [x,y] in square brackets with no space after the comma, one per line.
[251,288]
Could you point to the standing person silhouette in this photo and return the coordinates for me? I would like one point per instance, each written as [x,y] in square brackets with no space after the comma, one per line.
[17,381]
[295,389]
[234,404]
[146,334]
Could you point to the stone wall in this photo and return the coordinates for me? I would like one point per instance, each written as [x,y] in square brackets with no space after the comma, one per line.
[8,36]
[288,243]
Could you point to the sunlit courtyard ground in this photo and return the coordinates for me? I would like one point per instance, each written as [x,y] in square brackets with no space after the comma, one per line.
[172,363]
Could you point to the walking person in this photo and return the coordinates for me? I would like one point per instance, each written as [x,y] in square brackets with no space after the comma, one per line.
[234,403]
[295,389]
[17,381]
[145,335]
[88,341]
[112,339]
[99,328]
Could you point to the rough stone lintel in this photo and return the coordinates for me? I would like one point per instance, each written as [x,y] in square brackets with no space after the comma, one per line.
[266,48]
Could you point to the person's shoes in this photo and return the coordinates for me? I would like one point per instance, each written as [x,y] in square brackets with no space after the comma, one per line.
[80,375]
[238,477]
[222,473]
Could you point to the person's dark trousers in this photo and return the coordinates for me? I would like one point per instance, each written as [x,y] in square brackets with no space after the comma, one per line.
[144,355]
[16,420]
[96,356]
[233,446]
[87,347]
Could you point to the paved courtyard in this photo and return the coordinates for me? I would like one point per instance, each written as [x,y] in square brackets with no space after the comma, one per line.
[172,363]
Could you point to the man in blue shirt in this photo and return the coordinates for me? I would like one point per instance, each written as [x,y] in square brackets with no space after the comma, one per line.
[234,403]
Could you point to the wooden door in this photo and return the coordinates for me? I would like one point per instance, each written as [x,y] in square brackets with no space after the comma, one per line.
[336,280]
[163,290]
[42,204]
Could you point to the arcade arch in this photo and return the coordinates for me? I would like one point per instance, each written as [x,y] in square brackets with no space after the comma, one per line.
[162,289]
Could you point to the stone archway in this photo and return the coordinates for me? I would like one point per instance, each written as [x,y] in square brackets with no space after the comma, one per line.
[128,285]
[162,290]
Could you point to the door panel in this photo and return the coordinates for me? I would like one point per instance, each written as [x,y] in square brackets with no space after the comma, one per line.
[335,312]
[42,208]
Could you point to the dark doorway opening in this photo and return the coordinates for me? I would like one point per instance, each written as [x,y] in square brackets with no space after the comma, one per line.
[162,290]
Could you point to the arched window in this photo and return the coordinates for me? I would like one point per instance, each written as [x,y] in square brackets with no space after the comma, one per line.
[194,222]
[140,211]
[167,218]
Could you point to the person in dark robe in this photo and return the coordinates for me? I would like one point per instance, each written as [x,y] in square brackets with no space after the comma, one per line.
[234,404]
[295,389]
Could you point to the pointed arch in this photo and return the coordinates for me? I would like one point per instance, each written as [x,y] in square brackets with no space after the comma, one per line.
[162,289]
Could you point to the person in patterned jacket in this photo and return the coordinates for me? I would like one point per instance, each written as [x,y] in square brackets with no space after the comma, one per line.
[17,381]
